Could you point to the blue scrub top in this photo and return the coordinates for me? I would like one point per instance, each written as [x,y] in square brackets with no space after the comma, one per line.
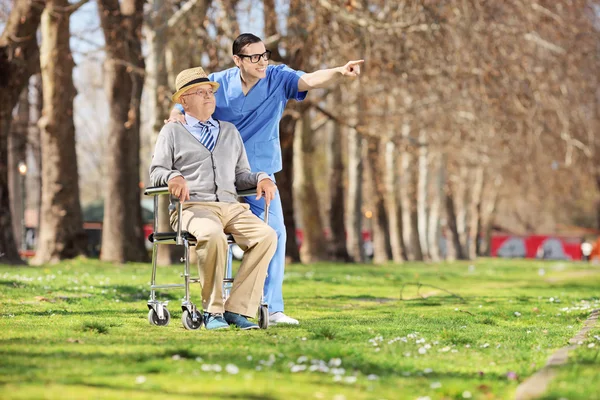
[257,114]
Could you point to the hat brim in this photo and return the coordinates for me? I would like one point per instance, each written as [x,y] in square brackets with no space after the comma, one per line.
[181,91]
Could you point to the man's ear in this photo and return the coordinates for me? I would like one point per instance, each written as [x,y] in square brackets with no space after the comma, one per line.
[237,60]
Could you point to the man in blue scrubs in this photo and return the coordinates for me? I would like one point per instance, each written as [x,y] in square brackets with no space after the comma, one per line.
[253,97]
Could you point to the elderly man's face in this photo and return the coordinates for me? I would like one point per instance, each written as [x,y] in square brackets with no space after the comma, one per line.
[199,99]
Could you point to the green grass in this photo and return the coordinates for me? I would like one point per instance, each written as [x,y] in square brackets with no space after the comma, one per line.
[79,330]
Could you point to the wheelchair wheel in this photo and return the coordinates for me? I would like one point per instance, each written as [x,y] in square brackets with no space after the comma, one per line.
[263,316]
[154,320]
[189,323]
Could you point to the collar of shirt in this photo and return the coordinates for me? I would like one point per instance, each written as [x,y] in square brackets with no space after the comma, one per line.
[191,121]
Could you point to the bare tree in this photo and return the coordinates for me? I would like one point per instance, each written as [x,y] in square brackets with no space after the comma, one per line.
[19,59]
[122,235]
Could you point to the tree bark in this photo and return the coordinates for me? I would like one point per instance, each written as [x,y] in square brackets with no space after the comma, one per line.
[61,233]
[422,198]
[436,193]
[392,203]
[355,240]
[382,251]
[17,153]
[314,247]
[474,207]
[405,193]
[285,180]
[337,192]
[19,59]
[122,232]
[159,92]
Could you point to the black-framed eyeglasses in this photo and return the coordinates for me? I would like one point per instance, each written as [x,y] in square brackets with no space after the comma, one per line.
[254,58]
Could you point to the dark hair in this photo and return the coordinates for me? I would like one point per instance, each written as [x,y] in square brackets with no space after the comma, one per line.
[242,41]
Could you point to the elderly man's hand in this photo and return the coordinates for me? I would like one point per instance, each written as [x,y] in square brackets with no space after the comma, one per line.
[175,116]
[267,188]
[179,188]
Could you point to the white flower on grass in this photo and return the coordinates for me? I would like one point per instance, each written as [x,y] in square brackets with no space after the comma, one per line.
[420,341]
[339,397]
[406,373]
[444,349]
[303,339]
[517,314]
[427,346]
[551,299]
[467,346]
[596,337]
[591,345]
[338,371]
[580,342]
[377,349]
[485,345]
[298,368]
[422,350]
[498,345]
[232,369]
[249,358]
[302,359]
[436,385]
[176,357]
[372,377]
[335,362]
[541,272]
[350,379]
[407,354]
[140,379]
[337,378]
[454,351]
[528,332]
[424,398]
[428,370]
[466,394]
[199,359]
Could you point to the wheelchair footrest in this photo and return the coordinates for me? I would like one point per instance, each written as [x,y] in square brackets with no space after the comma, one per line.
[170,237]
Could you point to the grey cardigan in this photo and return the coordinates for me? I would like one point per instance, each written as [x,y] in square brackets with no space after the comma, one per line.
[210,176]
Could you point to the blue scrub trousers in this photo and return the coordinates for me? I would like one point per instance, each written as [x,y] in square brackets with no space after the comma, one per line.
[274,282]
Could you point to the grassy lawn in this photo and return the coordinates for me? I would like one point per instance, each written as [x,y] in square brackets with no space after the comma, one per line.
[474,330]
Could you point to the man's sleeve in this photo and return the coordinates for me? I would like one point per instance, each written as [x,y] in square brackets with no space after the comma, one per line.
[290,78]
[179,107]
[244,178]
[162,168]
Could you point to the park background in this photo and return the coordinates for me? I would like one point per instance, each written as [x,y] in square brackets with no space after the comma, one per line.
[471,119]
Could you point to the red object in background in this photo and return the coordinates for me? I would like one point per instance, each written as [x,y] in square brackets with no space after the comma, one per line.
[536,246]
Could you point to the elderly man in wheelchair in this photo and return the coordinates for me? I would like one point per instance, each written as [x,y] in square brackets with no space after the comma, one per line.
[204,164]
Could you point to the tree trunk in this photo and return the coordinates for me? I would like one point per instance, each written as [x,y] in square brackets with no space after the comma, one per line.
[159,92]
[474,207]
[17,153]
[314,247]
[285,179]
[422,199]
[391,202]
[382,251]
[436,193]
[356,145]
[19,59]
[453,245]
[405,194]
[337,192]
[61,233]
[122,232]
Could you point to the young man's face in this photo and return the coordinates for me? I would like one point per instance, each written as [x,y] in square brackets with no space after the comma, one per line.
[256,70]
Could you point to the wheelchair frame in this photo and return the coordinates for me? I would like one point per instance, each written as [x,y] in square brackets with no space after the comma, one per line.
[191,318]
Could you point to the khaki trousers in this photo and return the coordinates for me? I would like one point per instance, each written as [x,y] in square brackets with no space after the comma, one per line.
[209,223]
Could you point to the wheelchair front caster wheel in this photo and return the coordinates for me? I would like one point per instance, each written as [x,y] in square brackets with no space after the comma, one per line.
[263,316]
[154,320]
[189,323]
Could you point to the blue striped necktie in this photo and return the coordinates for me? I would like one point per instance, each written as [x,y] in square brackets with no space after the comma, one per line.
[206,137]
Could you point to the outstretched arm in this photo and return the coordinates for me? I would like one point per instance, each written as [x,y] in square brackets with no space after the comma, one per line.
[326,77]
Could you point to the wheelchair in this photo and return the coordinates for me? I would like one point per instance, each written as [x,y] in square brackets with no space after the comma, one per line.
[192,317]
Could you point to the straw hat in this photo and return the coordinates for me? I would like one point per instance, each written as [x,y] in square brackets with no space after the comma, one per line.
[189,78]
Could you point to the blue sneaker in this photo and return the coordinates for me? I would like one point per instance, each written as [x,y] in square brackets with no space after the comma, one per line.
[214,321]
[239,320]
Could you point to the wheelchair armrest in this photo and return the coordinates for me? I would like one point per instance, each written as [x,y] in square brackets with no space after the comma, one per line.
[156,190]
[247,192]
